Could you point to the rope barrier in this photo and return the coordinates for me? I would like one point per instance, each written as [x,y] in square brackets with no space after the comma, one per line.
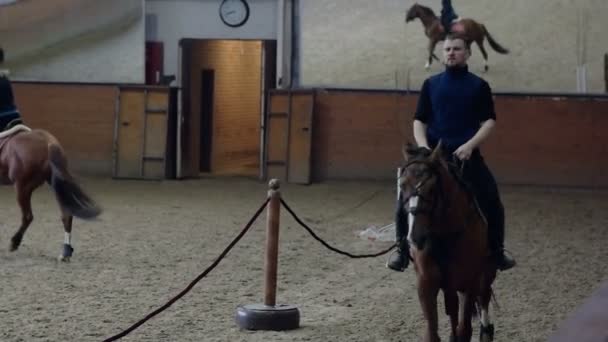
[316,237]
[196,280]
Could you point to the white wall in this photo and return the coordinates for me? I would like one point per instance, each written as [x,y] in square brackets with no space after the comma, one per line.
[172,20]
[367,44]
[74,40]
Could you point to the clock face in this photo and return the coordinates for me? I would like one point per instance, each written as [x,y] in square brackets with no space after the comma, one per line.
[234,13]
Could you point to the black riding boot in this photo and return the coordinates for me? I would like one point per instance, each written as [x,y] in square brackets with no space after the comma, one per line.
[496,236]
[399,259]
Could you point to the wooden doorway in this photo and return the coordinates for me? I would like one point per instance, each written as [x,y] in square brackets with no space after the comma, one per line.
[223,87]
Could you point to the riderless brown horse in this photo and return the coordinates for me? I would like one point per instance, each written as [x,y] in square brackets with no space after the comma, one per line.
[448,244]
[28,158]
[472,30]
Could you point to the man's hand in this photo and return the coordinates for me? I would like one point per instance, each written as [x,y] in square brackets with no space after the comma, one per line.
[464,152]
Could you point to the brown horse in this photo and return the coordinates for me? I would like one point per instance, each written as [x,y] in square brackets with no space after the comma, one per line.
[448,245]
[472,30]
[28,158]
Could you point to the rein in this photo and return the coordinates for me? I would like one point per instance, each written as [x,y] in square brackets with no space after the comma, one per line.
[439,203]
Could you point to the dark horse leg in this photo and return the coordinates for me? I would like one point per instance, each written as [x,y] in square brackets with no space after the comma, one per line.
[24,197]
[486,331]
[432,43]
[451,309]
[479,42]
[66,218]
[465,330]
[428,289]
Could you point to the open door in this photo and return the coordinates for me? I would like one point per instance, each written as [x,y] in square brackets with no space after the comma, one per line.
[289,136]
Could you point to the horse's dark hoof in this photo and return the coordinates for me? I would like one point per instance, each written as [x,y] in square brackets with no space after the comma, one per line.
[68,250]
[486,334]
[15,243]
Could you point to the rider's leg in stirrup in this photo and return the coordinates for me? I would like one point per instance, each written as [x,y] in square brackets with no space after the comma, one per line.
[399,260]
[448,15]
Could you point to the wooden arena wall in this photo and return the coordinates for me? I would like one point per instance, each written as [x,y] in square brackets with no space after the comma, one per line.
[358,134]
[81,116]
[542,140]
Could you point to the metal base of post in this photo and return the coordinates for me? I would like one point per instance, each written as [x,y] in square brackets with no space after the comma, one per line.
[263,317]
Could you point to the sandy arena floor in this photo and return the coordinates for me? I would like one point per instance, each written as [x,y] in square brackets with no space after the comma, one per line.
[155,237]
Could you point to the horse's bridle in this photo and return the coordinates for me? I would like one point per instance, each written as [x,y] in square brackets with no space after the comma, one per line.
[438,195]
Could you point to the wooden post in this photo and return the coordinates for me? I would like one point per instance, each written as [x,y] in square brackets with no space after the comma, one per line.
[272,243]
[270,315]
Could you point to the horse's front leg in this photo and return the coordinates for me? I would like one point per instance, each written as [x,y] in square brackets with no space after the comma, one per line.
[427,295]
[431,47]
[24,198]
[428,281]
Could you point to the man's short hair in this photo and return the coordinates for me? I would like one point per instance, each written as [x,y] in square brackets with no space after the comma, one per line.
[1,55]
[458,35]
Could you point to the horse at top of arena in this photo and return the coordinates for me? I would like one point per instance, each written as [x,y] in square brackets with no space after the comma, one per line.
[448,244]
[28,158]
[472,30]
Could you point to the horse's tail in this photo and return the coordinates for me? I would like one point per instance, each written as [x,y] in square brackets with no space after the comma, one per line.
[497,47]
[71,197]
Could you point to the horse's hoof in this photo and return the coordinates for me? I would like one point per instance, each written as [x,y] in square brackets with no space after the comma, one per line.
[486,334]
[15,243]
[62,258]
[68,250]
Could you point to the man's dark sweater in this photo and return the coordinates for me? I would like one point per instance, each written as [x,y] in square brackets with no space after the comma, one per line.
[453,104]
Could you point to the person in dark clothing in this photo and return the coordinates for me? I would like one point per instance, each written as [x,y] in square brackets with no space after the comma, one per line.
[9,114]
[456,108]
[448,15]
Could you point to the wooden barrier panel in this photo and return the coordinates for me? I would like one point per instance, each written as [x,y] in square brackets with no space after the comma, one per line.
[540,140]
[81,116]
[141,131]
[288,137]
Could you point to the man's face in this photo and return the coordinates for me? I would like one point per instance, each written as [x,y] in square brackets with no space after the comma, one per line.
[455,52]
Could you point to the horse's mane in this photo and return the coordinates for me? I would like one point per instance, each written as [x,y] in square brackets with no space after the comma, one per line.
[423,153]
[416,152]
[427,10]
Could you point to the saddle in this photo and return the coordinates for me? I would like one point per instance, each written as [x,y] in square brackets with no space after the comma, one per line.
[14,129]
[457,27]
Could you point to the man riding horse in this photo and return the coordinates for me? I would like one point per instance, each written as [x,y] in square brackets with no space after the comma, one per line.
[456,108]
[448,15]
[9,114]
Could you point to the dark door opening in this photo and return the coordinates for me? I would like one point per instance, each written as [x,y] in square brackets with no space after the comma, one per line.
[207,89]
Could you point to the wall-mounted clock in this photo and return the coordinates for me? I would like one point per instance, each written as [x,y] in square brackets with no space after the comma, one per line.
[234,13]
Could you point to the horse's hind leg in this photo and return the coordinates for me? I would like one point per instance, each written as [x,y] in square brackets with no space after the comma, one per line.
[432,44]
[467,306]
[486,331]
[24,199]
[66,218]
[451,309]
[484,53]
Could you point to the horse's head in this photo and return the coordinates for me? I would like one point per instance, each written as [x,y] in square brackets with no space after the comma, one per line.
[418,11]
[420,183]
[412,13]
